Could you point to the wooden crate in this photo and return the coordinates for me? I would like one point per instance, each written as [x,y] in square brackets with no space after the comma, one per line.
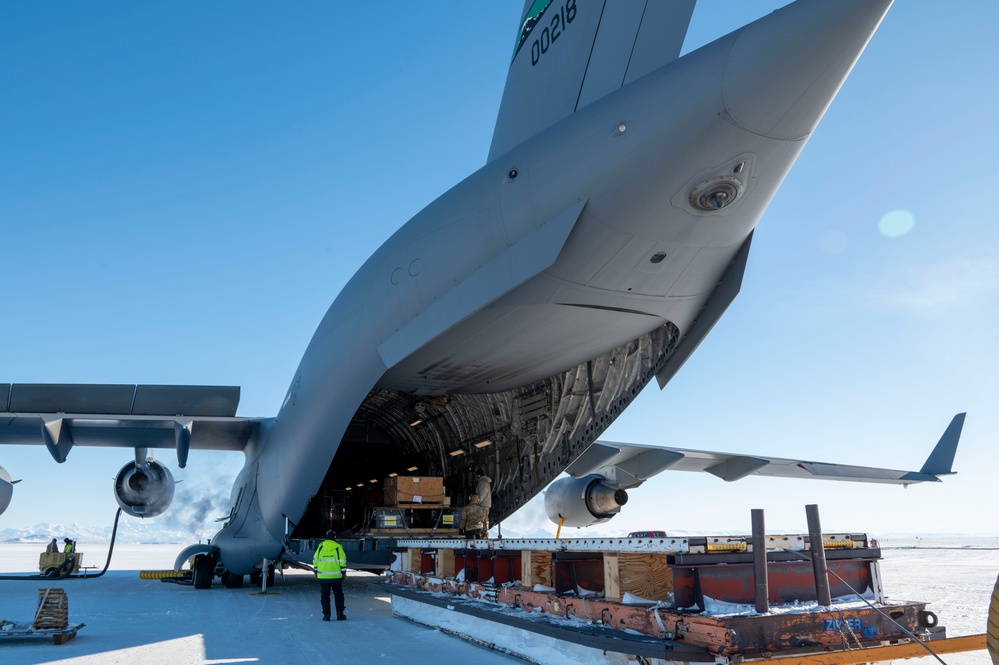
[52,610]
[644,575]
[535,568]
[444,563]
[414,559]
[414,489]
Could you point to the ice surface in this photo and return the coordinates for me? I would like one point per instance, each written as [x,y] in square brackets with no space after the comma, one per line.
[129,620]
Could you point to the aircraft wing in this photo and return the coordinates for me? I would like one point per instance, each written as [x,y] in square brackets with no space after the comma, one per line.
[627,465]
[60,416]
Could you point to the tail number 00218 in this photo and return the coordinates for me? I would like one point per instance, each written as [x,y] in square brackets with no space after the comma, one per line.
[548,35]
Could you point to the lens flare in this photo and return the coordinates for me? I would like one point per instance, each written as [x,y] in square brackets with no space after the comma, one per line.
[896,223]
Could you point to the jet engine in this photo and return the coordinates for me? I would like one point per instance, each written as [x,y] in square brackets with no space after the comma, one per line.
[6,489]
[583,501]
[144,489]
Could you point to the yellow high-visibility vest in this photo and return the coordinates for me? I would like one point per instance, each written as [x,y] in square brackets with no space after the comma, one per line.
[329,560]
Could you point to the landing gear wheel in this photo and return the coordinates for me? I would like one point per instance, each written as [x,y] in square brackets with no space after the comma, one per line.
[232,581]
[992,630]
[203,570]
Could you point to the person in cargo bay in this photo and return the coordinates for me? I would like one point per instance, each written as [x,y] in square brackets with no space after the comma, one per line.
[474,519]
[330,562]
[484,490]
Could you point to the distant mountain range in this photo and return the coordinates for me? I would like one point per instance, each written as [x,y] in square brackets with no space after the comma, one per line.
[148,532]
[129,531]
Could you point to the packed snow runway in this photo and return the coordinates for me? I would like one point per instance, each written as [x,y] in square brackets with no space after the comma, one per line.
[137,621]
[129,620]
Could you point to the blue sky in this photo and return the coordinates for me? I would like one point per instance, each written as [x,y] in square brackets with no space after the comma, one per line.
[185,187]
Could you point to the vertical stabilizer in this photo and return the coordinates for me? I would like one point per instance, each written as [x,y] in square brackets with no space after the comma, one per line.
[569,53]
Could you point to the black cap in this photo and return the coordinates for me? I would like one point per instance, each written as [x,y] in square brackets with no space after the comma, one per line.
[480,472]
[331,534]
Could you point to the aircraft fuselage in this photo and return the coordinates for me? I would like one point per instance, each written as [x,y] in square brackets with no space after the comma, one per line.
[615,221]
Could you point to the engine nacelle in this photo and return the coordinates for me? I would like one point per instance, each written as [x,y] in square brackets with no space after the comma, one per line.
[583,501]
[6,489]
[144,490]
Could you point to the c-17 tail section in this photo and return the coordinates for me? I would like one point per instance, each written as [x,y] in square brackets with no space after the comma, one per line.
[569,53]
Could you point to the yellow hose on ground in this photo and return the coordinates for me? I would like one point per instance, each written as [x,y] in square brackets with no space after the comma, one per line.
[160,574]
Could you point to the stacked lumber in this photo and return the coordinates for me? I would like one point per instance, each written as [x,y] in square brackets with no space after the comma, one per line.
[52,610]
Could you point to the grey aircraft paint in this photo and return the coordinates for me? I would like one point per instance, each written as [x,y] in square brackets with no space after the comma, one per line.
[540,263]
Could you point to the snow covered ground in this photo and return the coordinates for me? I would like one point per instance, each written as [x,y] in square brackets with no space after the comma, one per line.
[136,621]
[954,576]
[129,620]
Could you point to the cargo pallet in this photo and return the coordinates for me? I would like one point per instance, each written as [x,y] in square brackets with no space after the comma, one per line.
[15,630]
[51,620]
[680,599]
[422,496]
[392,521]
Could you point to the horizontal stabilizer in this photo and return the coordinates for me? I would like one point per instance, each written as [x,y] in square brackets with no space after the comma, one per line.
[627,465]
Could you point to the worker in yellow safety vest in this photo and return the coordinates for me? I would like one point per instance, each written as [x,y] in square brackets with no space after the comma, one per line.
[330,563]
[70,546]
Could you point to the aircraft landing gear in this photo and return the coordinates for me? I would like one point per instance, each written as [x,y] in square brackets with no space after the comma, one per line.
[232,581]
[256,577]
[203,571]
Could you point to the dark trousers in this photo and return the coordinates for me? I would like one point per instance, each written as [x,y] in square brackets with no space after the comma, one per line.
[324,590]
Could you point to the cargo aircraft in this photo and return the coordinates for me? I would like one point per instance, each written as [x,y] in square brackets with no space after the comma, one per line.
[510,322]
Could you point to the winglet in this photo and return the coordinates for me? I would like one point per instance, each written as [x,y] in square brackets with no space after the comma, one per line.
[941,460]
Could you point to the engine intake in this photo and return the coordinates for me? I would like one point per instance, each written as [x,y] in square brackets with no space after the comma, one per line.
[144,490]
[583,501]
[6,489]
